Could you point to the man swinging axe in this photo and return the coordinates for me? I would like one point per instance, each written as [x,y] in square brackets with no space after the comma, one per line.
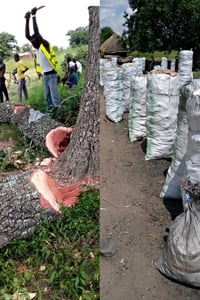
[47,60]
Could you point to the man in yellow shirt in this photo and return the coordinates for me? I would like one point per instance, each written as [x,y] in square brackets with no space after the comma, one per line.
[21,69]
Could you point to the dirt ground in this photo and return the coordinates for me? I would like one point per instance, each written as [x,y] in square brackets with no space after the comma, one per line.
[133,220]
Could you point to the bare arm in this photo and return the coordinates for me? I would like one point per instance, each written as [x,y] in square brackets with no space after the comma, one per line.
[2,69]
[35,26]
[27,31]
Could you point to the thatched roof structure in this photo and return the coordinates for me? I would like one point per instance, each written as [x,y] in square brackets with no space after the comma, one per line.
[113,46]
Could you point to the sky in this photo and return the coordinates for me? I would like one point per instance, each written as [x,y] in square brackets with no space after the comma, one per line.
[111,14]
[54,20]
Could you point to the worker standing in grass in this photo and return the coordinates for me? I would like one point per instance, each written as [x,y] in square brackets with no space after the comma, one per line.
[21,69]
[47,61]
[3,89]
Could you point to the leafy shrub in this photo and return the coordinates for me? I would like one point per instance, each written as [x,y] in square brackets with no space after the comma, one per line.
[80,53]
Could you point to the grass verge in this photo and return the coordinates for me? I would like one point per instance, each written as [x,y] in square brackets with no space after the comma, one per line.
[60,261]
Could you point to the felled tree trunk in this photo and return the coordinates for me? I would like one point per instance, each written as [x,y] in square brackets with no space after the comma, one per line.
[20,117]
[27,197]
[20,208]
[81,157]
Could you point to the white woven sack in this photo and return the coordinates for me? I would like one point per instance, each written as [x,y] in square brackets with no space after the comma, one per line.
[192,168]
[128,70]
[177,169]
[101,66]
[113,93]
[185,67]
[162,110]
[163,65]
[137,109]
[171,188]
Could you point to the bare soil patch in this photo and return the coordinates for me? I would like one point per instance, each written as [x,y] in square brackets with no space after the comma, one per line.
[135,218]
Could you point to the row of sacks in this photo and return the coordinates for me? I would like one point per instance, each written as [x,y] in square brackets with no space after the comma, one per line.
[117,88]
[165,110]
[152,102]
[116,81]
[180,259]
[153,112]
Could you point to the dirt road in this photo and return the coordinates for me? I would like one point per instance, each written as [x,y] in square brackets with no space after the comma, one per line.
[134,219]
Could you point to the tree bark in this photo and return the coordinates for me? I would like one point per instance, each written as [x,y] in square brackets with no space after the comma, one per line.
[81,157]
[20,208]
[19,116]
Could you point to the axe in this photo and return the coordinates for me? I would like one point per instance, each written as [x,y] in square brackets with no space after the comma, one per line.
[40,7]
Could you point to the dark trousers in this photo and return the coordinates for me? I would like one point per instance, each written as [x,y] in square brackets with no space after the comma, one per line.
[3,89]
[22,88]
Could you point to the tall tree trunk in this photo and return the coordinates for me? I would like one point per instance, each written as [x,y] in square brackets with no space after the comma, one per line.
[82,154]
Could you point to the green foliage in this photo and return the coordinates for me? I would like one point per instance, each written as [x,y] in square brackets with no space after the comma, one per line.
[80,53]
[70,106]
[9,131]
[4,164]
[70,98]
[105,33]
[59,261]
[163,26]
[7,44]
[23,151]
[70,101]
[25,48]
[196,74]
[157,54]
[79,36]
[36,95]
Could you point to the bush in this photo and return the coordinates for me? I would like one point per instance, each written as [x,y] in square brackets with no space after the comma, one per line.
[80,53]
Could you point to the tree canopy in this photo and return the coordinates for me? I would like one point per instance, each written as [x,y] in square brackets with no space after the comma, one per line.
[79,36]
[163,25]
[105,33]
[26,48]
[7,44]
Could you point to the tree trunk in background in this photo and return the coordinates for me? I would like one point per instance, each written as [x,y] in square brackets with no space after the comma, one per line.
[82,154]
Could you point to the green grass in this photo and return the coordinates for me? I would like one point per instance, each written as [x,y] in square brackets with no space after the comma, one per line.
[157,54]
[59,261]
[9,131]
[21,149]
[70,98]
[196,74]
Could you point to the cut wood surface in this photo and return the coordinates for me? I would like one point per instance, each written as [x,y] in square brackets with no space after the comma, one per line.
[28,197]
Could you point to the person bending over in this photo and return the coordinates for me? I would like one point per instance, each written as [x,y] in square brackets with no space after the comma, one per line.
[73,78]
